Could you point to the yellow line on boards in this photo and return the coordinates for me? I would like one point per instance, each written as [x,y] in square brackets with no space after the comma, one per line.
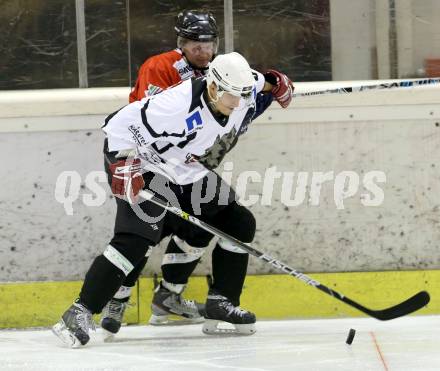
[40,304]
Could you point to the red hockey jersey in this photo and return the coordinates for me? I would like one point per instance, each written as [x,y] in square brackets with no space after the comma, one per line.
[160,72]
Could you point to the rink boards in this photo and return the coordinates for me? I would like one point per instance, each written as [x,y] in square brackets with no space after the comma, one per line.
[269,296]
[396,132]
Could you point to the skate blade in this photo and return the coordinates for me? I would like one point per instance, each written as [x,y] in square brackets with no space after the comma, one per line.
[173,320]
[61,332]
[215,327]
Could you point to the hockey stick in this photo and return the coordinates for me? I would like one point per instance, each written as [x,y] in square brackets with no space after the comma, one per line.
[410,305]
[385,85]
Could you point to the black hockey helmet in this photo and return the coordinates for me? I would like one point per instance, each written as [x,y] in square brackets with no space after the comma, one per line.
[196,25]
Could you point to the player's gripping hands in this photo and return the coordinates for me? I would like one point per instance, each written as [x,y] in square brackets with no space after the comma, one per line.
[282,87]
[126,175]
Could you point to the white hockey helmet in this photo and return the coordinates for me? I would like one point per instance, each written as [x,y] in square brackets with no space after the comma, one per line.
[232,74]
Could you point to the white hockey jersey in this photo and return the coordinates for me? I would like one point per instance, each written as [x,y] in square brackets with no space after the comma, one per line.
[176,134]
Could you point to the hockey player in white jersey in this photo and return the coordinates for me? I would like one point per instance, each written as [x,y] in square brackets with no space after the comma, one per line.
[170,143]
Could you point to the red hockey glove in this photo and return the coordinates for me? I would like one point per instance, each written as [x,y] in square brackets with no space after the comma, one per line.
[283,87]
[124,172]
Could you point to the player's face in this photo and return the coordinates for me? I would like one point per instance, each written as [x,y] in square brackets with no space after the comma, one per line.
[227,103]
[224,102]
[198,53]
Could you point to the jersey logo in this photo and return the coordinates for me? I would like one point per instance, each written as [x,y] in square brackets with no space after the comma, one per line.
[137,136]
[183,69]
[152,90]
[190,158]
[194,121]
[222,145]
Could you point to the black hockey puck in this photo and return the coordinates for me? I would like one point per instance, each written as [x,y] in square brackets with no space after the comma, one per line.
[350,336]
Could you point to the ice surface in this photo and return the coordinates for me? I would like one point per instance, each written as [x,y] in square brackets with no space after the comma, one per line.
[410,343]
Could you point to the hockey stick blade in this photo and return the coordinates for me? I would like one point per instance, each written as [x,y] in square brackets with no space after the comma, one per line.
[408,306]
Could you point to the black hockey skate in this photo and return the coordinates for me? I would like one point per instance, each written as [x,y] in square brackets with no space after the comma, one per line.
[111,317]
[73,328]
[167,304]
[220,309]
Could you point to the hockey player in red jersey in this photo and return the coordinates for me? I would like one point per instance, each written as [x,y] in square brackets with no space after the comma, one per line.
[170,143]
[197,42]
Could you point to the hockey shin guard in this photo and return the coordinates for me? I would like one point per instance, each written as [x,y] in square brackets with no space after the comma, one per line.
[102,281]
[229,272]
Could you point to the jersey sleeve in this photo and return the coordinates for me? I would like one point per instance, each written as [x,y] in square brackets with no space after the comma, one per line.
[263,101]
[154,73]
[161,118]
[259,80]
